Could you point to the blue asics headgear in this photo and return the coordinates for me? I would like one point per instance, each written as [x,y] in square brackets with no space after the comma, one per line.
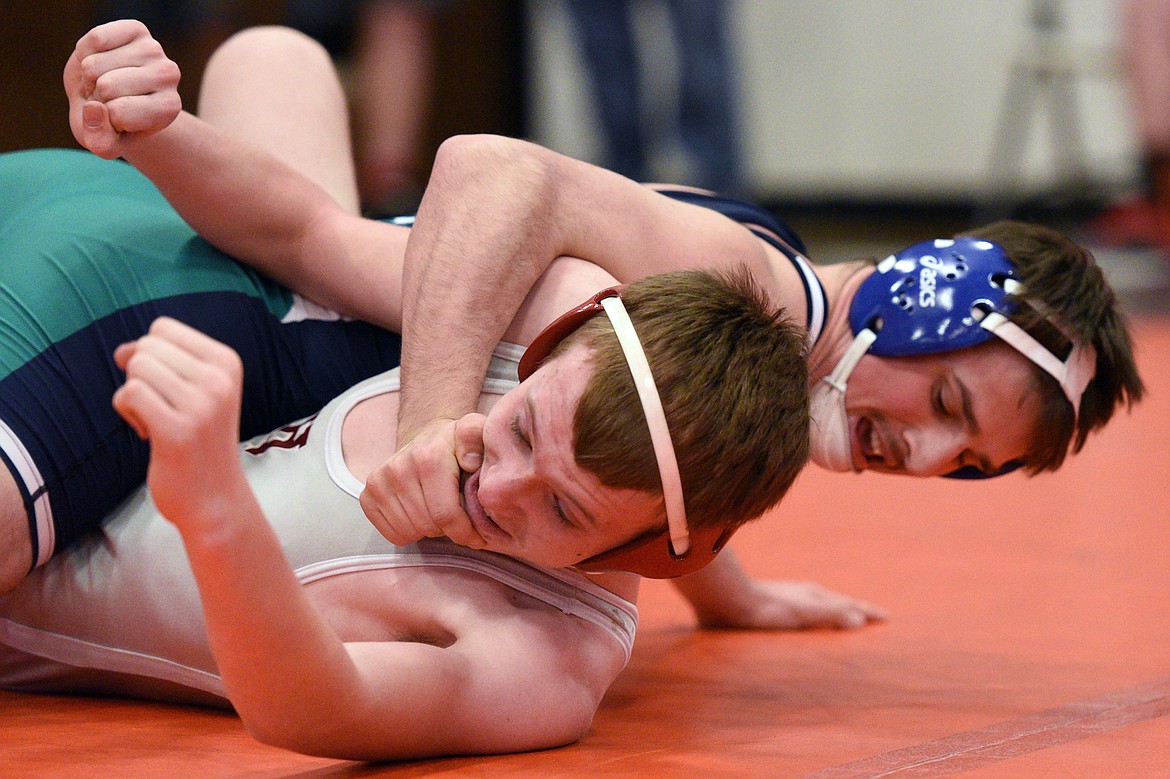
[942,295]
[919,300]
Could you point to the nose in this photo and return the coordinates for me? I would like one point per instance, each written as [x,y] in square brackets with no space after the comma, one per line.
[933,450]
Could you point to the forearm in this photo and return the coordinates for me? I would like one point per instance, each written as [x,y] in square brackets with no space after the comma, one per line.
[239,198]
[296,684]
[267,192]
[486,230]
[287,674]
[720,589]
[496,213]
[725,597]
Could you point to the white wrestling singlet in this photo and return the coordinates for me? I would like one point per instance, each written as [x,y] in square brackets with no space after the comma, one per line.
[119,611]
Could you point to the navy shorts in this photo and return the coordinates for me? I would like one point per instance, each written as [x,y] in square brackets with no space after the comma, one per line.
[90,255]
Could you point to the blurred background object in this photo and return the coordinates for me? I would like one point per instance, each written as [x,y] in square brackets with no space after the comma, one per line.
[1141,218]
[1044,85]
[474,83]
[388,53]
[694,112]
[866,125]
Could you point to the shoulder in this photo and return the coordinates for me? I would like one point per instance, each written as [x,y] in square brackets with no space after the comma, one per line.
[750,235]
[501,650]
[560,665]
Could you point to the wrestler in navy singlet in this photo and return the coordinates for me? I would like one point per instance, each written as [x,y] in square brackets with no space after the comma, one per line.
[92,255]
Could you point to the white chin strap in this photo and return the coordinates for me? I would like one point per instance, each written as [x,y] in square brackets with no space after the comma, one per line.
[830,445]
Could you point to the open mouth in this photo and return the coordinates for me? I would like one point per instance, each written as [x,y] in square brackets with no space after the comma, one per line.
[869,449]
[484,524]
[872,449]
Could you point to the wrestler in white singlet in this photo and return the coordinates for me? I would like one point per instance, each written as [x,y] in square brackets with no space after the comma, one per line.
[119,612]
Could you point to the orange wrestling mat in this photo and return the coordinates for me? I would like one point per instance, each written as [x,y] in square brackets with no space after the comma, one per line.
[1029,636]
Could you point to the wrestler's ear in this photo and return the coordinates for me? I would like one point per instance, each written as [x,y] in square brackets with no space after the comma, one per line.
[469,442]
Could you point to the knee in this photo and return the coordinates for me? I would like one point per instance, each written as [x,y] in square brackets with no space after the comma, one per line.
[269,44]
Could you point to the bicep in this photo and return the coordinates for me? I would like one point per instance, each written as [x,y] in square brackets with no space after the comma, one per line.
[551,205]
[632,231]
[531,685]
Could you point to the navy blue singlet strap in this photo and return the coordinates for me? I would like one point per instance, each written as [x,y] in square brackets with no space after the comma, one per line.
[768,227]
[771,229]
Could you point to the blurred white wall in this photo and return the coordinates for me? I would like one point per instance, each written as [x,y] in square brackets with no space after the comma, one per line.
[869,99]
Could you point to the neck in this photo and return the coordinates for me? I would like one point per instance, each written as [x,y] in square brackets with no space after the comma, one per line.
[841,282]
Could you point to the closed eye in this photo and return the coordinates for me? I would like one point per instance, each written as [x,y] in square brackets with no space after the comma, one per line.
[939,404]
[558,509]
[519,433]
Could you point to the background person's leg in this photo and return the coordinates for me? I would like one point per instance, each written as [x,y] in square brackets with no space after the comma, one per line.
[707,122]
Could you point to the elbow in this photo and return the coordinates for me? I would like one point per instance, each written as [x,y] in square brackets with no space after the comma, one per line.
[526,171]
[461,156]
[579,727]
[538,726]
[273,733]
[559,730]
[462,151]
[305,735]
[571,720]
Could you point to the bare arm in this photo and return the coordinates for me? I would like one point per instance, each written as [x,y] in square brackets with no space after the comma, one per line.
[724,596]
[124,102]
[262,212]
[509,682]
[496,212]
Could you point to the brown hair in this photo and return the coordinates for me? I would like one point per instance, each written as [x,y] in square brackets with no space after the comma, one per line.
[732,372]
[1064,279]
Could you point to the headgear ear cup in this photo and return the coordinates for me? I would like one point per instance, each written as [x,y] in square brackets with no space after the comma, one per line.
[559,329]
[921,298]
[651,556]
